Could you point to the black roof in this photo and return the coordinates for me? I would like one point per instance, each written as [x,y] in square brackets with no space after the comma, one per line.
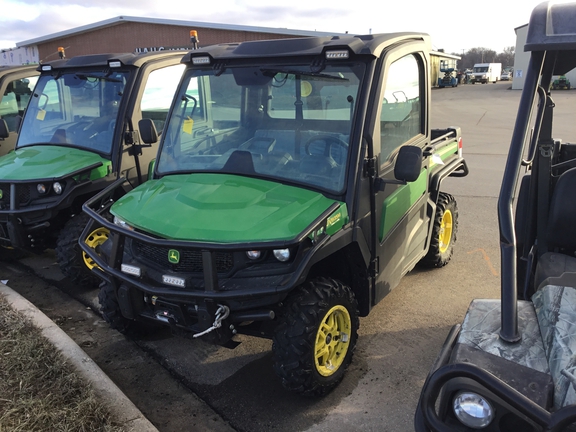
[310,46]
[552,27]
[101,60]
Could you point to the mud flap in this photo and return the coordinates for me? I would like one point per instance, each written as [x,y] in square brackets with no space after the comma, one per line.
[15,234]
[130,302]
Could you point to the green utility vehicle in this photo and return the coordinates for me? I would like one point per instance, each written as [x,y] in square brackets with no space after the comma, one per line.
[296,182]
[561,82]
[16,85]
[510,366]
[78,135]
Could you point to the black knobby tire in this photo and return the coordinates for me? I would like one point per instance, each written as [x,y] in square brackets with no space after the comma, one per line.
[442,242]
[297,340]
[111,309]
[69,255]
[112,314]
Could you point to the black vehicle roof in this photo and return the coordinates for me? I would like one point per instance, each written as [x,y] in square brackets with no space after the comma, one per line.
[552,27]
[101,60]
[309,46]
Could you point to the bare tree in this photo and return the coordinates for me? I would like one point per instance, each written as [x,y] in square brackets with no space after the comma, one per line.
[486,55]
[506,57]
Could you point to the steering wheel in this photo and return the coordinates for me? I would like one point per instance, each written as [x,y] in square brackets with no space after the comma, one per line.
[328,140]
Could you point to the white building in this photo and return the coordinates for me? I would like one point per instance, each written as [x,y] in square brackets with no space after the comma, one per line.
[521,59]
[18,56]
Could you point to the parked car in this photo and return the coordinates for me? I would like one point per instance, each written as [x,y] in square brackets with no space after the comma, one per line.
[506,76]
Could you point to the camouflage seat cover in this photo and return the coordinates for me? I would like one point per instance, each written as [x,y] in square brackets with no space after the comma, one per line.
[556,311]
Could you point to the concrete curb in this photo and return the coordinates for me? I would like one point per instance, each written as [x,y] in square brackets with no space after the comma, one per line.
[123,410]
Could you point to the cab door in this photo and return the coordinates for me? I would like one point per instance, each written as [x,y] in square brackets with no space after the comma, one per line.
[152,99]
[15,92]
[401,211]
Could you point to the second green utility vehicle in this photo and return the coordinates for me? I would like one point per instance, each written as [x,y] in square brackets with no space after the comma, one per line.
[561,83]
[16,85]
[78,135]
[297,181]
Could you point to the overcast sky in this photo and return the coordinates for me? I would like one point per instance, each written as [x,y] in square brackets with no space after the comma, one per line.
[453,26]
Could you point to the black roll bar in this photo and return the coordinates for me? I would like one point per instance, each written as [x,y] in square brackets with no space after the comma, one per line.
[509,318]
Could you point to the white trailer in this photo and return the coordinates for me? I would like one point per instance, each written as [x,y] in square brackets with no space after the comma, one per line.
[485,72]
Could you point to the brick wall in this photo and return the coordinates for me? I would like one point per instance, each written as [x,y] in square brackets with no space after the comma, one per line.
[128,36]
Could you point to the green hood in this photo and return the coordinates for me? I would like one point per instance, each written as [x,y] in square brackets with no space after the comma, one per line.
[45,162]
[222,208]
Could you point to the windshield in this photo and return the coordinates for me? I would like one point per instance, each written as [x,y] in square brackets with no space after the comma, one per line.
[78,109]
[481,69]
[283,123]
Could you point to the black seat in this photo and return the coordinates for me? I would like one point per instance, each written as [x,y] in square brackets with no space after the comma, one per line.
[239,162]
[561,232]
[562,216]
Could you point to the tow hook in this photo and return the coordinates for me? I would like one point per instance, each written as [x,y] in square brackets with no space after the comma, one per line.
[221,314]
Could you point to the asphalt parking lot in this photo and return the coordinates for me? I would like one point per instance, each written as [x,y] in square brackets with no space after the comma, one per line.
[398,342]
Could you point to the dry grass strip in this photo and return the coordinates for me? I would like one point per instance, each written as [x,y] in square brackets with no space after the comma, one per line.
[39,391]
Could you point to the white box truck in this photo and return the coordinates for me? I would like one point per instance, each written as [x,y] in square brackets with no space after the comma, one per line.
[484,72]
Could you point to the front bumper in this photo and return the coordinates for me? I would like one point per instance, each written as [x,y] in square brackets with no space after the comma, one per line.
[144,289]
[29,219]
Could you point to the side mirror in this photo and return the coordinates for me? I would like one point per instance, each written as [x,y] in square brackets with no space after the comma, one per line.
[4,132]
[148,132]
[408,164]
[406,169]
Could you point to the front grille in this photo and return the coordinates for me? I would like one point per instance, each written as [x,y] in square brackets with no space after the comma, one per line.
[22,193]
[190,259]
[5,198]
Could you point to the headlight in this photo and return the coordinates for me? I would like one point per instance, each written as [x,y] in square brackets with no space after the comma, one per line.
[41,188]
[473,410]
[253,255]
[121,223]
[57,188]
[282,255]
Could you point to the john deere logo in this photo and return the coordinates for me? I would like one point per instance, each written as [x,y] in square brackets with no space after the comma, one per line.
[1,194]
[173,256]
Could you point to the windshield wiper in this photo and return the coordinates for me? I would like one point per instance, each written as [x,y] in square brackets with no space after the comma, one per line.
[272,72]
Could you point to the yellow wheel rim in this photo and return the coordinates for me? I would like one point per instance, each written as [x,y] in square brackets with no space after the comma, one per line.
[96,238]
[332,340]
[445,235]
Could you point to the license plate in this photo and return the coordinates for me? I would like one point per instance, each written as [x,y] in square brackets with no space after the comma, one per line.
[174,281]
